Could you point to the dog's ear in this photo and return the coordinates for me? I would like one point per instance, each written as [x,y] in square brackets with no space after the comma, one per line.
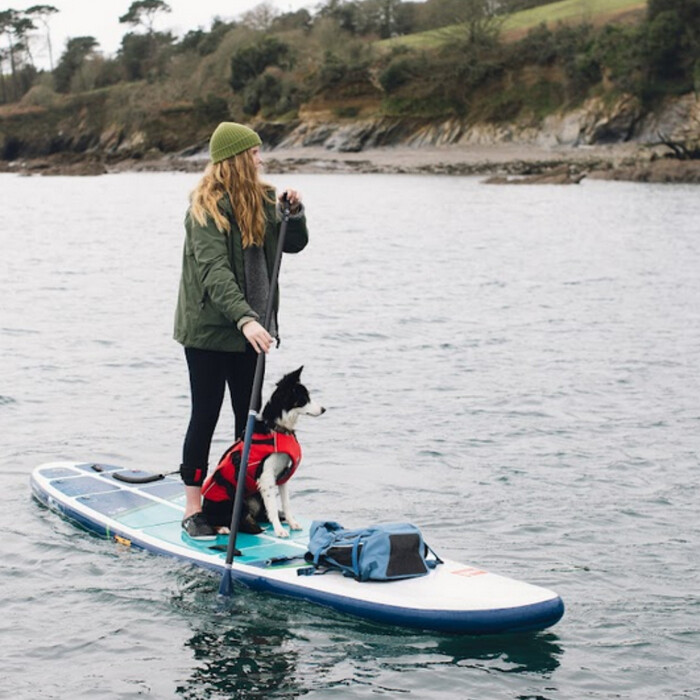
[291,378]
[294,376]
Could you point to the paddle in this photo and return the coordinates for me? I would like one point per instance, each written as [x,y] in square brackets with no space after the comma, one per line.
[226,585]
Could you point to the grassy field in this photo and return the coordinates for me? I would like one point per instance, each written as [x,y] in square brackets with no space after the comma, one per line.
[571,11]
[516,25]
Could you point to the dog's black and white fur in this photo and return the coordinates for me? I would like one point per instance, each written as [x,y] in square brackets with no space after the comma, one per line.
[289,401]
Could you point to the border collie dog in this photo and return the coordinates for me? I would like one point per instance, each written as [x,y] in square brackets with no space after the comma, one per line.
[274,456]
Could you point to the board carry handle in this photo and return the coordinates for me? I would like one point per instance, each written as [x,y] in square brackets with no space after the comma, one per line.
[136,479]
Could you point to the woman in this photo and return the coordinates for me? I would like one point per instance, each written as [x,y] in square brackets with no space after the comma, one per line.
[231,233]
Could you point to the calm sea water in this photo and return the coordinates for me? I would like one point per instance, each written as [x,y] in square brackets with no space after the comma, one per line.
[514,369]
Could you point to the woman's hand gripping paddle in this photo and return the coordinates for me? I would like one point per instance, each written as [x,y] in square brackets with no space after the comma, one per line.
[226,585]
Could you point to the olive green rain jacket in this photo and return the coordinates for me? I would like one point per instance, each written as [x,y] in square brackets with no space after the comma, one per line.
[210,300]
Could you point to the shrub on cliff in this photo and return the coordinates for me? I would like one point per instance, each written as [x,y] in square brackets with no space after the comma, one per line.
[401,70]
[251,61]
[272,94]
[672,45]
[344,70]
[620,52]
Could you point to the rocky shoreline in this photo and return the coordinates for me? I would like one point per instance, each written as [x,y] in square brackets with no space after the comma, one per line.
[599,139]
[498,163]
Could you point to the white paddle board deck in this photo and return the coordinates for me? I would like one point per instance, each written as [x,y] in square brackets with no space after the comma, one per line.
[453,597]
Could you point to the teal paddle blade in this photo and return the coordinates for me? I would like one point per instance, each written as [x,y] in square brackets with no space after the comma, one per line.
[226,585]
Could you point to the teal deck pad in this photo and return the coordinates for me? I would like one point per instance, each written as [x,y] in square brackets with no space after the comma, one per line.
[81,485]
[257,550]
[156,514]
[170,535]
[254,548]
[115,502]
[58,473]
[167,489]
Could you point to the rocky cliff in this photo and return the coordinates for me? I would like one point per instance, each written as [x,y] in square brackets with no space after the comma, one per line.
[596,122]
[86,131]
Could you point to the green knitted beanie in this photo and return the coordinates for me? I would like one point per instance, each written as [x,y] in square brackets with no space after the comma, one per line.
[229,139]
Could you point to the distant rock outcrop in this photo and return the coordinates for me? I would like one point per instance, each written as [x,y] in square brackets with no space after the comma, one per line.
[561,175]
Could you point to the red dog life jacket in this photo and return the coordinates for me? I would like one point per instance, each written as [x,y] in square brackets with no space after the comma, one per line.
[221,484]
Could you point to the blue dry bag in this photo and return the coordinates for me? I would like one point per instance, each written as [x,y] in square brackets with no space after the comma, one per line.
[384,552]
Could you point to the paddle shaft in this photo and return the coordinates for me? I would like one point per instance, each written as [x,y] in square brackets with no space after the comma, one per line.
[255,394]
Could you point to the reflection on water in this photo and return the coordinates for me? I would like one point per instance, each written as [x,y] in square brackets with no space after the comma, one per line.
[537,652]
[254,663]
[253,646]
[238,649]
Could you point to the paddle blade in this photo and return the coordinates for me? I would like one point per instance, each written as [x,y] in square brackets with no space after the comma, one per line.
[226,585]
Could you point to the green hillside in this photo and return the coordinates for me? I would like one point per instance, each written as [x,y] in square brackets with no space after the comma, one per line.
[572,11]
[565,11]
[160,94]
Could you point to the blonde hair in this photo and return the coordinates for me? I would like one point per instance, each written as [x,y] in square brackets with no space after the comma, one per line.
[238,178]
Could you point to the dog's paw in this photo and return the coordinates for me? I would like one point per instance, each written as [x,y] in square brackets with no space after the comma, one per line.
[294,525]
[281,532]
[222,530]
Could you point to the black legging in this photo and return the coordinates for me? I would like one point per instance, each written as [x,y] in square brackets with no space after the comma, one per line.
[210,372]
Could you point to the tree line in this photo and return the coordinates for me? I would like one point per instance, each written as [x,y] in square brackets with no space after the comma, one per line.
[144,51]
[278,60]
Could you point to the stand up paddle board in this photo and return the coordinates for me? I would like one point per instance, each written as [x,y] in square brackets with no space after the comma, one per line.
[453,597]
